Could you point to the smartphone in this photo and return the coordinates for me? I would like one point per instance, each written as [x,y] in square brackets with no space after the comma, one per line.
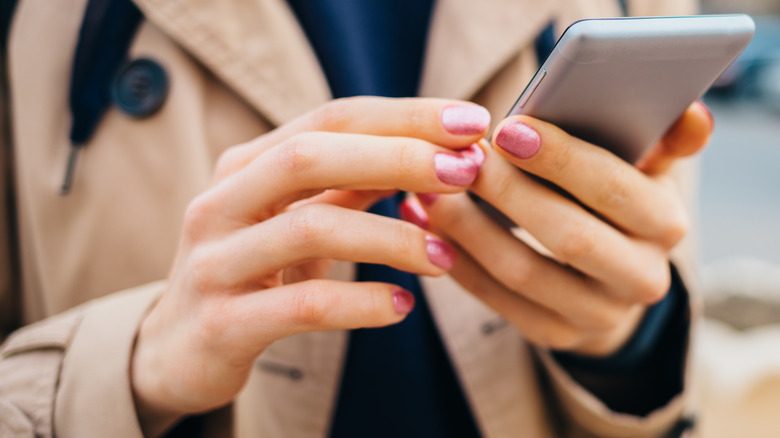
[620,83]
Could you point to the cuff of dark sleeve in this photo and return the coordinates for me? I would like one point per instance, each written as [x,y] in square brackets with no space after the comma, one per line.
[649,370]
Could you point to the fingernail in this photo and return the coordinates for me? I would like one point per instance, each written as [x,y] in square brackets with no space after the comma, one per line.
[427,198]
[455,170]
[440,253]
[473,153]
[465,119]
[518,139]
[709,113]
[411,211]
[403,301]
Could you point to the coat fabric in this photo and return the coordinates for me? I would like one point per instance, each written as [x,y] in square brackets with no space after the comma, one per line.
[237,69]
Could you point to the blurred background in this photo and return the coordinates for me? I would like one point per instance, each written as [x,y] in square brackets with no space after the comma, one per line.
[738,347]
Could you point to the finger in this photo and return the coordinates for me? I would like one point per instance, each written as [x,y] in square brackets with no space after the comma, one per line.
[686,137]
[310,163]
[353,199]
[600,180]
[577,298]
[320,231]
[317,305]
[634,268]
[538,324]
[449,123]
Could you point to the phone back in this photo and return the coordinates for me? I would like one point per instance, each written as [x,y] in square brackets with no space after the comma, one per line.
[621,83]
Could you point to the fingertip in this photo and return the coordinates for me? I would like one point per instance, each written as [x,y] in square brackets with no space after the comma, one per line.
[403,301]
[412,211]
[702,107]
[465,119]
[440,253]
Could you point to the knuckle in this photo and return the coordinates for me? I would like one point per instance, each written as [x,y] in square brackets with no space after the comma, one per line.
[675,228]
[310,306]
[296,155]
[214,318]
[229,160]
[407,161]
[198,217]
[520,274]
[615,191]
[504,186]
[335,115]
[577,243]
[556,336]
[419,114]
[605,319]
[305,226]
[406,238]
[563,154]
[653,286]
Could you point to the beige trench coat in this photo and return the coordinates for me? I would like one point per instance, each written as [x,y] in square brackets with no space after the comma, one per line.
[238,68]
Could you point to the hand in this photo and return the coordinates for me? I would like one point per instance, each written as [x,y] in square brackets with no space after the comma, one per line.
[584,272]
[256,245]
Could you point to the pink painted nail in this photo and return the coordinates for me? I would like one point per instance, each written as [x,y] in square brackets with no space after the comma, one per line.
[474,153]
[455,170]
[412,211]
[518,139]
[427,198]
[403,301]
[440,253]
[465,119]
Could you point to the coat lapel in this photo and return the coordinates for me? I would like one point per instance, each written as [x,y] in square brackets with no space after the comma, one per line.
[255,46]
[470,41]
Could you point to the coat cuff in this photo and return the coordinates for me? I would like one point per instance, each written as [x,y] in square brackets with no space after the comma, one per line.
[592,415]
[95,397]
[588,415]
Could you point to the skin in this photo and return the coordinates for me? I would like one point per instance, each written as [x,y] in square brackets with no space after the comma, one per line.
[585,282]
[256,246]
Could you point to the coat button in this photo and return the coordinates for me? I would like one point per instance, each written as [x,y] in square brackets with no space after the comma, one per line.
[140,87]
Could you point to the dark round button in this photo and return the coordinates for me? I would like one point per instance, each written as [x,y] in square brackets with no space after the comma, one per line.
[140,87]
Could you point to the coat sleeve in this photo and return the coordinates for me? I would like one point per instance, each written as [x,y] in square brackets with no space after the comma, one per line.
[68,376]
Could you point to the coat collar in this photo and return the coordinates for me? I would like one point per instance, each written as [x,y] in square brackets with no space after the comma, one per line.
[257,48]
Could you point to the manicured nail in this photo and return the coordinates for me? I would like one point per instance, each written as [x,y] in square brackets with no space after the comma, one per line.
[518,139]
[403,301]
[455,170]
[440,253]
[412,211]
[473,153]
[709,113]
[465,119]
[427,198]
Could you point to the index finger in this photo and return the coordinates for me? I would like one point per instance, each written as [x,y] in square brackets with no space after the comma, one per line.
[449,123]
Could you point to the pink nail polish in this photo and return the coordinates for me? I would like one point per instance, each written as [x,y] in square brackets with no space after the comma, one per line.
[403,301]
[427,198]
[474,153]
[465,119]
[440,253]
[455,170]
[518,139]
[411,211]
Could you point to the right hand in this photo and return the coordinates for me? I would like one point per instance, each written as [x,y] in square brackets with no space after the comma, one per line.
[256,245]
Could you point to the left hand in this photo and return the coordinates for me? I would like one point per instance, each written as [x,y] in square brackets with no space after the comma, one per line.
[597,264]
